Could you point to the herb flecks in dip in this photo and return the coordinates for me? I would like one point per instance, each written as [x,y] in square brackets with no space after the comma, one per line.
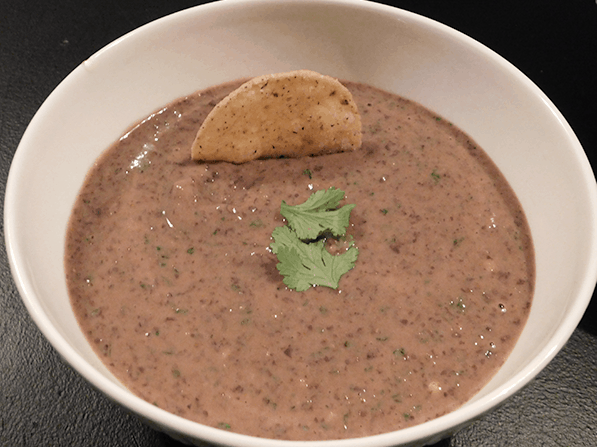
[173,282]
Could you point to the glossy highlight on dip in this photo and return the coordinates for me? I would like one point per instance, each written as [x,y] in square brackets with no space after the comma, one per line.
[173,282]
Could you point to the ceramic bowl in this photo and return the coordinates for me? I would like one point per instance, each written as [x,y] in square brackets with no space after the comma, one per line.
[398,51]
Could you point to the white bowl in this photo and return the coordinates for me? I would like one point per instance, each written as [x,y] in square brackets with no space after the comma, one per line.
[398,51]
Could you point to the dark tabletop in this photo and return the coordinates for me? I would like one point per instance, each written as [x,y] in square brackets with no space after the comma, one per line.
[43,402]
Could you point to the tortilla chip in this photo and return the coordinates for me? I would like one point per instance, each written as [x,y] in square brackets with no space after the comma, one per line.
[294,114]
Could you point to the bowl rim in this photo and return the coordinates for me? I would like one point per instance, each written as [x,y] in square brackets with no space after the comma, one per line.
[173,424]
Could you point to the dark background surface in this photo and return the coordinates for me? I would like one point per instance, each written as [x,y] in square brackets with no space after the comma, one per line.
[43,402]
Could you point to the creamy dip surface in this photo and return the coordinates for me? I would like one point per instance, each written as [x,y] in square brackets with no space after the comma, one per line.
[173,282]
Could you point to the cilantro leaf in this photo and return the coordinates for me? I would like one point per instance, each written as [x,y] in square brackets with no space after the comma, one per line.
[304,265]
[318,214]
[302,256]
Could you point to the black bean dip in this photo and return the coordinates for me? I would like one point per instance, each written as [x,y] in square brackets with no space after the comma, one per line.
[173,282]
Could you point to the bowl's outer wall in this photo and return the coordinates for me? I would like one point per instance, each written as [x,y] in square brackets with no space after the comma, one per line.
[422,60]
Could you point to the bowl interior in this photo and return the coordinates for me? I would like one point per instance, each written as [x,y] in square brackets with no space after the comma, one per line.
[400,52]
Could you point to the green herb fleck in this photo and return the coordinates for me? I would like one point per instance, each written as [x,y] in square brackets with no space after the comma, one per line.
[400,352]
[458,304]
[267,401]
[224,426]
[191,251]
[308,173]
[456,242]
[435,176]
